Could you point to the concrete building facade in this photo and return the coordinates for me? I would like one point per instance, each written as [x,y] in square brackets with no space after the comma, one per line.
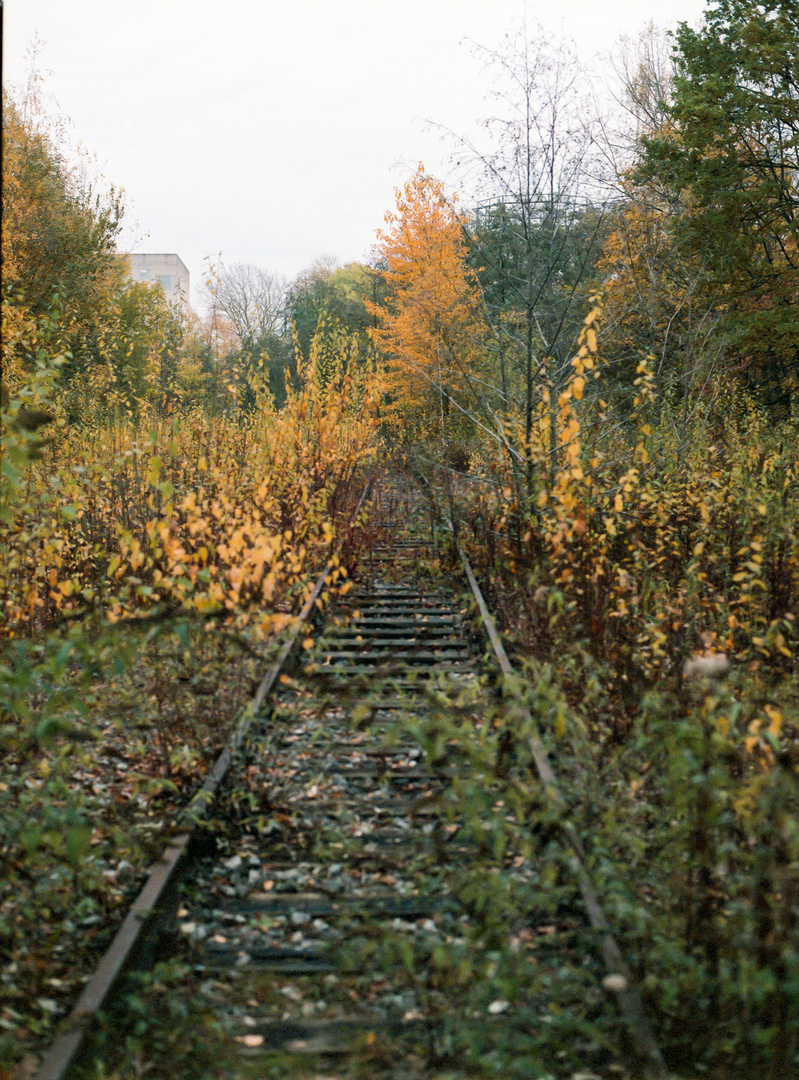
[170,270]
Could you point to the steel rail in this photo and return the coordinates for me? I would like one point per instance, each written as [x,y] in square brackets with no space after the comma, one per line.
[642,1036]
[77,1025]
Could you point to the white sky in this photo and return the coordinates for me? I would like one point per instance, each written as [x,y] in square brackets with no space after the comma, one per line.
[275,131]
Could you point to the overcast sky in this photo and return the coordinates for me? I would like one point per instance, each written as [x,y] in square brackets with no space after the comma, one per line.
[275,131]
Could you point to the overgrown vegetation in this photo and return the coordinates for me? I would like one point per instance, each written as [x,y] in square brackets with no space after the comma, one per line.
[653,589]
[630,499]
[614,401]
[159,528]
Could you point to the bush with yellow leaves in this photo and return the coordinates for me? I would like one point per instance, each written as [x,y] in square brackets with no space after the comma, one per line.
[222,515]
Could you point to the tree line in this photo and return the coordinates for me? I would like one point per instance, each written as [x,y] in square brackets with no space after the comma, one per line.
[680,209]
[680,206]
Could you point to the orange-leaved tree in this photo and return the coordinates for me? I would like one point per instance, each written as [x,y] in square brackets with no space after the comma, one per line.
[430,327]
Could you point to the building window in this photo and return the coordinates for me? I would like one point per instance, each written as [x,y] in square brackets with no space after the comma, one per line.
[166,281]
[143,274]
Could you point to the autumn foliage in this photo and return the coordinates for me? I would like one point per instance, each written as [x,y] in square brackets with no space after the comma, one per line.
[430,328]
[197,515]
[629,499]
[655,581]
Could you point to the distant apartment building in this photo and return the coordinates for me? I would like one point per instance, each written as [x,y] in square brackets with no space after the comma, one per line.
[170,270]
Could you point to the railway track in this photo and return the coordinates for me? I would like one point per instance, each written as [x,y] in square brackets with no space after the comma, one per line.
[350,907]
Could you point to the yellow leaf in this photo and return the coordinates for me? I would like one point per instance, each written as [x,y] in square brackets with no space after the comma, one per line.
[781,647]
[775,716]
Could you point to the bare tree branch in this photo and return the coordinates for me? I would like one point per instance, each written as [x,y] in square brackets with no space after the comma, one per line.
[253,300]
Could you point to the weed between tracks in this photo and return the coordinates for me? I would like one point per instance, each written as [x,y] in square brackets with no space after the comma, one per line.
[504,983]
[684,865]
